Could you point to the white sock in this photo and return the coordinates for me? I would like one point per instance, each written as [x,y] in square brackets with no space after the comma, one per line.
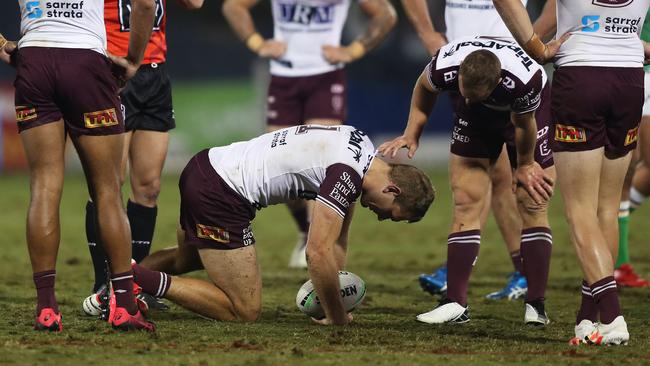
[636,198]
[624,209]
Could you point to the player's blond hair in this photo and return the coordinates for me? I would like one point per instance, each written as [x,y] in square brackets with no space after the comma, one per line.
[417,192]
[481,71]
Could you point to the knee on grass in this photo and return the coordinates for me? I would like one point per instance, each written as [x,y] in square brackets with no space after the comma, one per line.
[248,313]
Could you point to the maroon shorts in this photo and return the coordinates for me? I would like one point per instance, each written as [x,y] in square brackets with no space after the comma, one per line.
[480,132]
[597,107]
[294,100]
[75,85]
[213,215]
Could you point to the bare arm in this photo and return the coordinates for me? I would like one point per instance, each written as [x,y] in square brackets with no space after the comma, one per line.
[529,174]
[516,18]
[382,19]
[514,15]
[418,13]
[422,103]
[238,15]
[525,137]
[324,231]
[191,4]
[341,248]
[142,17]
[546,24]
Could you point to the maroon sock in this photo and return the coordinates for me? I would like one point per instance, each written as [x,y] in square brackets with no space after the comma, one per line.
[515,257]
[536,247]
[301,216]
[123,289]
[462,253]
[588,309]
[45,298]
[605,295]
[152,282]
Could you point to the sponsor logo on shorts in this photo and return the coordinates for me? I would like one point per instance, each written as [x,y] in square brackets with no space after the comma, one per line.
[632,136]
[612,3]
[24,113]
[212,233]
[105,118]
[569,133]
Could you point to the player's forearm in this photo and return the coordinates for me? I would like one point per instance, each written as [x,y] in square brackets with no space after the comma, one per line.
[525,138]
[422,103]
[516,18]
[239,18]
[382,19]
[546,24]
[142,18]
[418,13]
[323,271]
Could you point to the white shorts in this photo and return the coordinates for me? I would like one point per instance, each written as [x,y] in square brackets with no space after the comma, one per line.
[646,101]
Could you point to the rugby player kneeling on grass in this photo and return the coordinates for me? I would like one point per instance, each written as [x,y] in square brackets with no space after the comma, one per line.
[221,189]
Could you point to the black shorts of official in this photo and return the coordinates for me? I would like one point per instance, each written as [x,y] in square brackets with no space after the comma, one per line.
[147,100]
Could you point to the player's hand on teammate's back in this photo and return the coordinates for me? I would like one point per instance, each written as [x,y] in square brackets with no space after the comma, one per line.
[123,69]
[335,55]
[552,47]
[392,147]
[535,181]
[272,49]
[7,50]
[327,321]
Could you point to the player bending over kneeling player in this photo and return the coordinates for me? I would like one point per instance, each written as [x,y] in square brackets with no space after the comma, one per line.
[504,99]
[221,188]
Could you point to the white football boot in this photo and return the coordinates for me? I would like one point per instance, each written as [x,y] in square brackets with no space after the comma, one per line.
[614,333]
[535,314]
[298,256]
[446,312]
[582,331]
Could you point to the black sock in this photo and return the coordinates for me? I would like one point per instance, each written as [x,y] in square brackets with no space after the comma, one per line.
[96,251]
[143,223]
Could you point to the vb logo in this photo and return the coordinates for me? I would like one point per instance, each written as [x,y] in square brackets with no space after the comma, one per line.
[33,9]
[590,23]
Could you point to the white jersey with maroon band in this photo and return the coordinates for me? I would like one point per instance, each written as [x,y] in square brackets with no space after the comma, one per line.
[603,32]
[306,26]
[326,163]
[63,24]
[522,79]
[469,18]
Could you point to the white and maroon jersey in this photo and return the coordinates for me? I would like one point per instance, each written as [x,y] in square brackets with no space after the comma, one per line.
[603,32]
[522,79]
[469,18]
[63,24]
[326,163]
[306,26]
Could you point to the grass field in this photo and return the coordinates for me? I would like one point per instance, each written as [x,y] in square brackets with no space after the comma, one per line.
[387,255]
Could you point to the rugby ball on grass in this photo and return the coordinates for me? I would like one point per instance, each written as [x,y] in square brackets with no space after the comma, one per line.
[353,290]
